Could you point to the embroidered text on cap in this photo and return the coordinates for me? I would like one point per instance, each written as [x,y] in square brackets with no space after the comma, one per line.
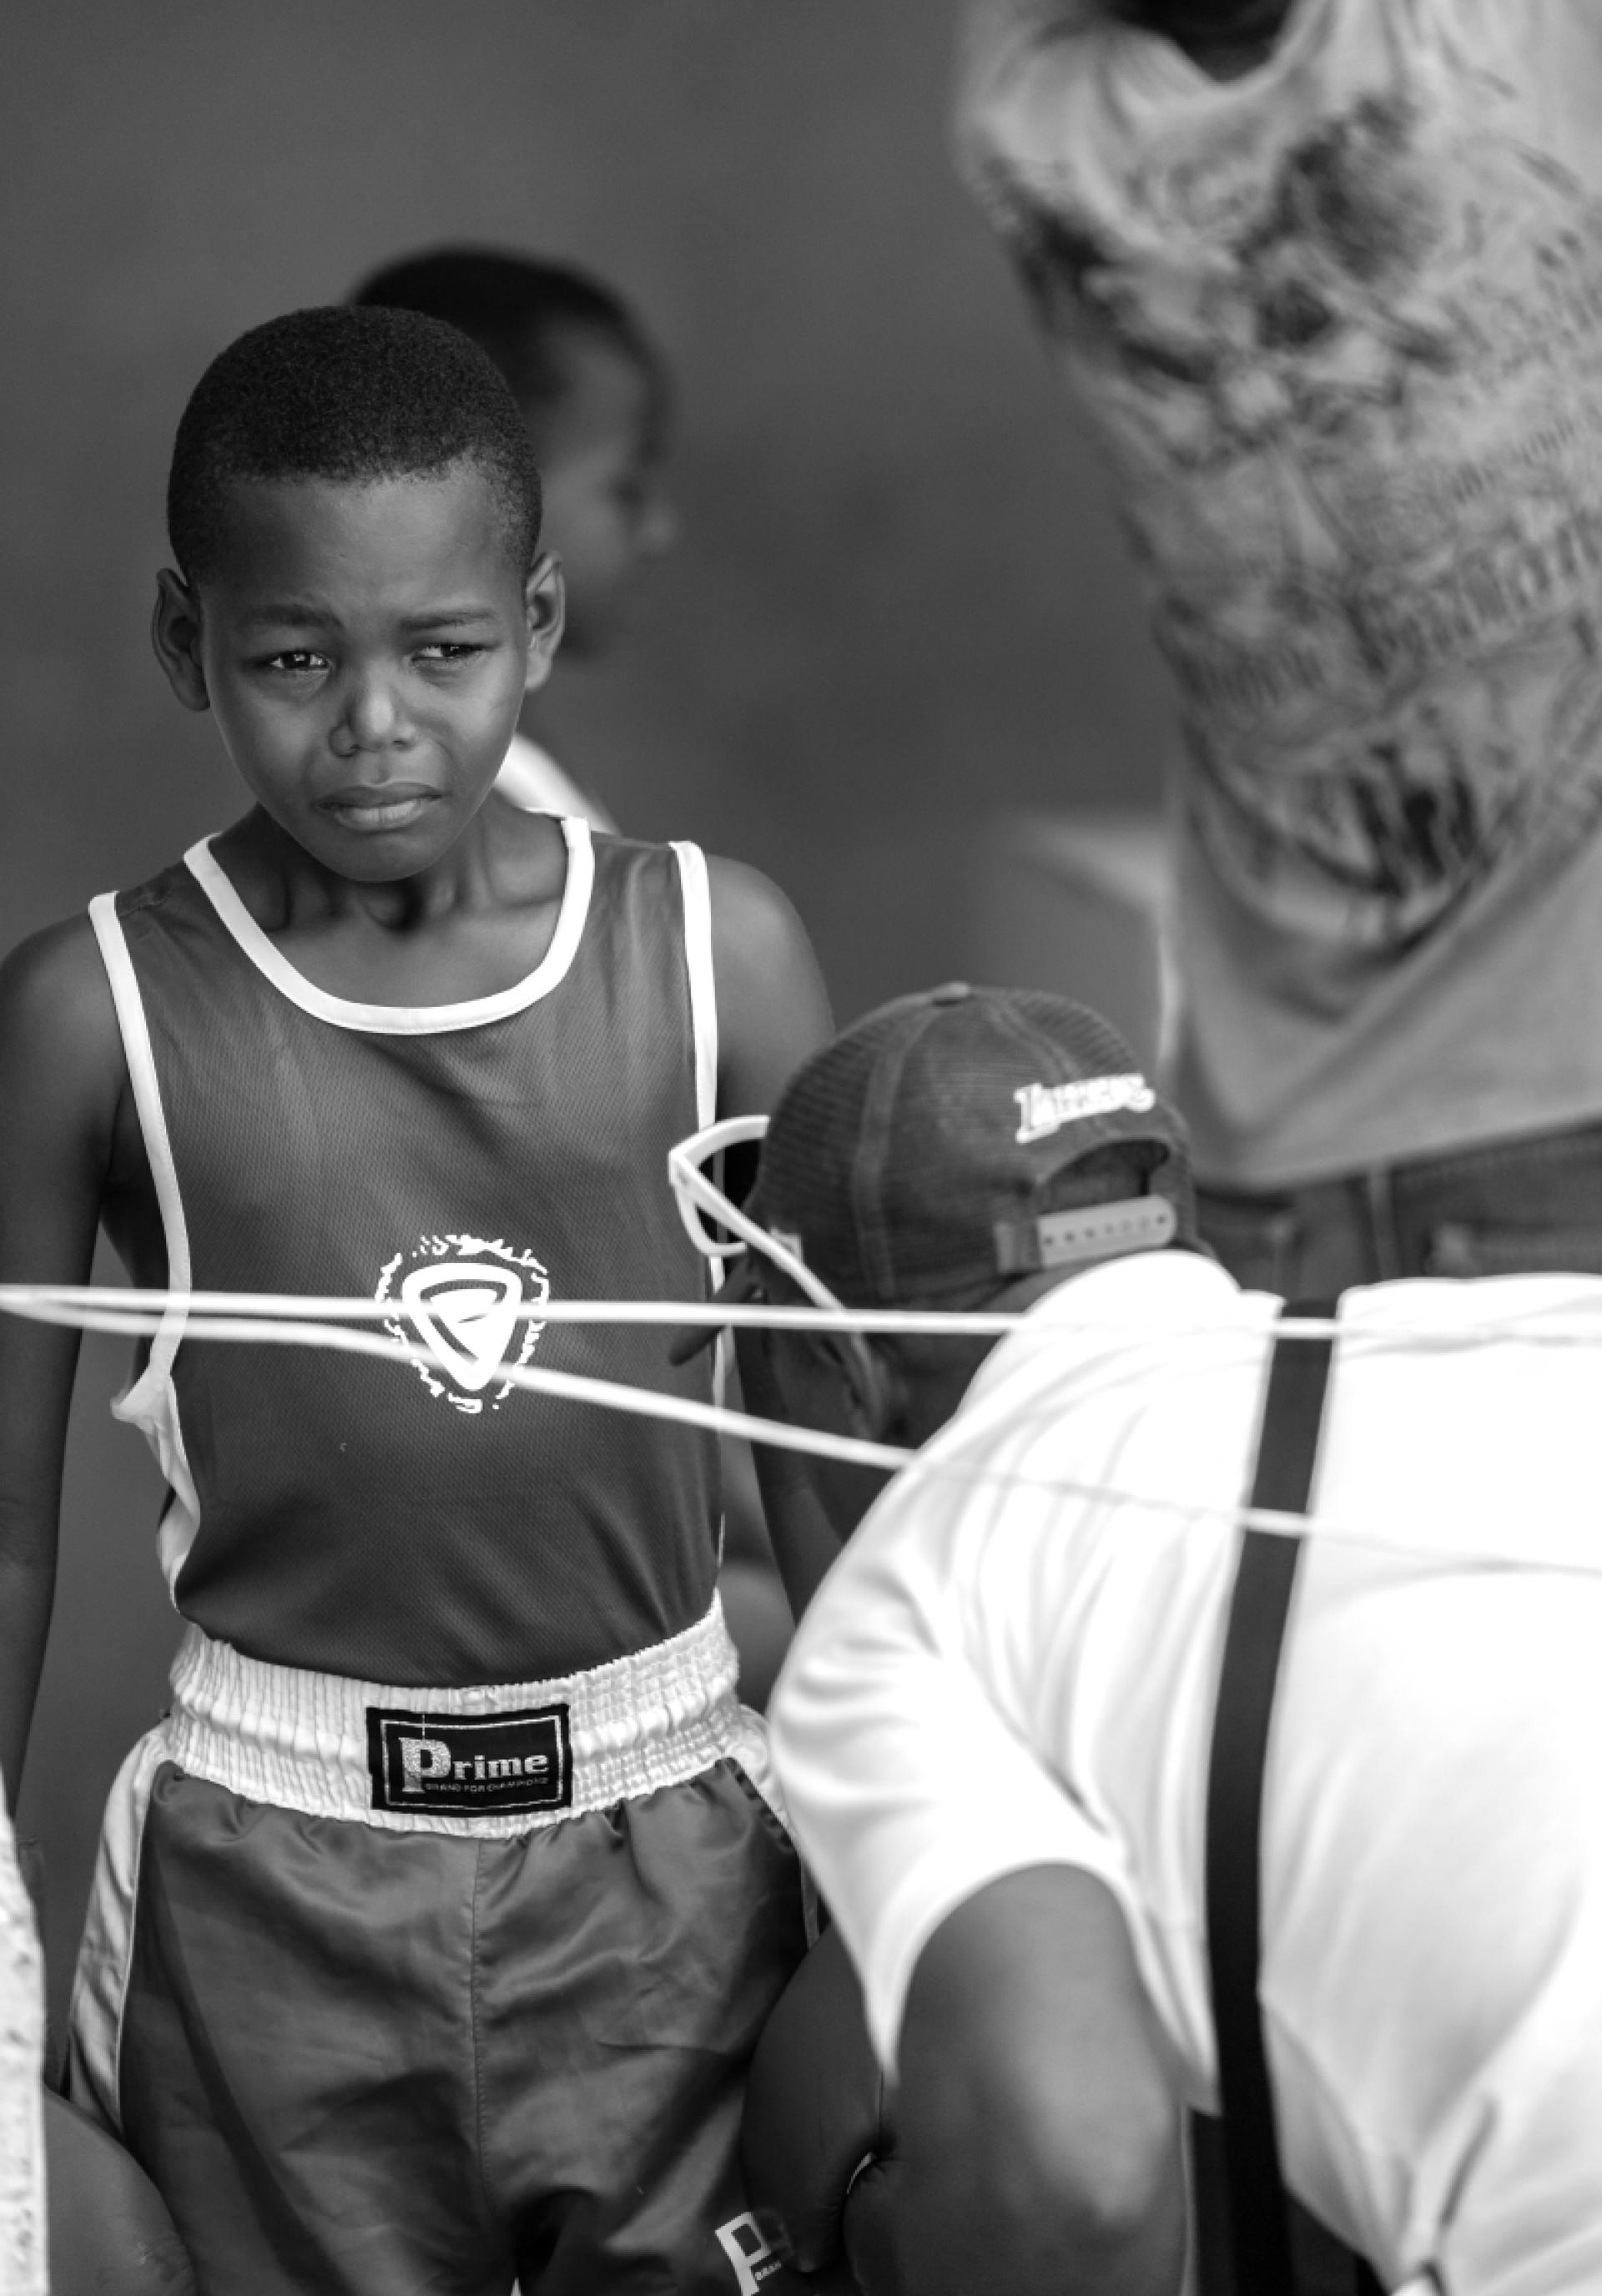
[1045,1108]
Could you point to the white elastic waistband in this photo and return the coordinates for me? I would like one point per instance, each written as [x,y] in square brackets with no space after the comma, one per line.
[306,1742]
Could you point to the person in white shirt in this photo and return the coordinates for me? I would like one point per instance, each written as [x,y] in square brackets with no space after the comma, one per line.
[596,396]
[993,1728]
[1325,278]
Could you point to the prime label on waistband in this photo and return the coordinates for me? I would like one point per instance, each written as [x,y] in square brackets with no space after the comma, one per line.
[465,1766]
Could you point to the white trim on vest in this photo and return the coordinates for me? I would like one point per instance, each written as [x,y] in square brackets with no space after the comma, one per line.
[697,892]
[150,1402]
[409,1019]
[703,988]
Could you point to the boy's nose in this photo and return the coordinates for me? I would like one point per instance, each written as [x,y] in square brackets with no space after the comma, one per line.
[374,717]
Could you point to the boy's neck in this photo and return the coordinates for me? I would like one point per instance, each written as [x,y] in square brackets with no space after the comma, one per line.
[505,865]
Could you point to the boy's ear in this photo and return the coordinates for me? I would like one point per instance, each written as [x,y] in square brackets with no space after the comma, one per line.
[175,633]
[544,609]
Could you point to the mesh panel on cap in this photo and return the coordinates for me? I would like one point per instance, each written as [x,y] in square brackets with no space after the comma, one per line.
[954,1164]
[809,1158]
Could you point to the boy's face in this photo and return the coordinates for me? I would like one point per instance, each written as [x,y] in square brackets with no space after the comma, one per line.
[600,457]
[366,648]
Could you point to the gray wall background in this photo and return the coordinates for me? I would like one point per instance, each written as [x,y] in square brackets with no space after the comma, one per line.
[899,602]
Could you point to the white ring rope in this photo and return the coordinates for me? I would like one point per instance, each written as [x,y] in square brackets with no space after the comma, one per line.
[304,1320]
[67,1303]
[256,1321]
[36,1300]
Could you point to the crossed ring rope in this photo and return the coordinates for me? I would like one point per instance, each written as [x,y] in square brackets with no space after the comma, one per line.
[293,1319]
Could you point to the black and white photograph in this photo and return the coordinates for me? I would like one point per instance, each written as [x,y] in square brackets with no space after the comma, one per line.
[800,1148]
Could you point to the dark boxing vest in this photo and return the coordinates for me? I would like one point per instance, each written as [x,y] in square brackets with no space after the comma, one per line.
[432,1526]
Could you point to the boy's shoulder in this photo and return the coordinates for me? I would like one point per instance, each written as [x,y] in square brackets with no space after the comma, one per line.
[760,945]
[58,1022]
[58,954]
[56,978]
[749,911]
[751,919]
[153,891]
[773,1008]
[55,991]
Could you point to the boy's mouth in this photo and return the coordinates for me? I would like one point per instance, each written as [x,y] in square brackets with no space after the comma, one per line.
[373,812]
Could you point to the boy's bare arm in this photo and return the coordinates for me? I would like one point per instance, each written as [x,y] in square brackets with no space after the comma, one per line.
[773,1011]
[1037,2118]
[61,1074]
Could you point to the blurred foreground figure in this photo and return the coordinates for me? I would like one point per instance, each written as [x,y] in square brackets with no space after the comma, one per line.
[1326,277]
[105,2231]
[1027,1769]
[22,2064]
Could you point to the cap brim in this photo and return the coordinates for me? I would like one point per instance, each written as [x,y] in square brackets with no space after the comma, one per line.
[742,1282]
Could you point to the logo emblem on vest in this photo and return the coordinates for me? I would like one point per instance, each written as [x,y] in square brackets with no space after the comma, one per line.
[463,1298]
[460,1766]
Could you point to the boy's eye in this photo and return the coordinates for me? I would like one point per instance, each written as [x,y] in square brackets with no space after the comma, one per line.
[296,660]
[448,650]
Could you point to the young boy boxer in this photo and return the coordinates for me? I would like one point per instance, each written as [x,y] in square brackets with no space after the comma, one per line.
[435,1922]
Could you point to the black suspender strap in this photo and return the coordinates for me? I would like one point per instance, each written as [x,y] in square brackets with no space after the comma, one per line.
[1265,1580]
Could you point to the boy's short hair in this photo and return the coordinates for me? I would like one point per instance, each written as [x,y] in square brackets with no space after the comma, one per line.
[352,396]
[521,310]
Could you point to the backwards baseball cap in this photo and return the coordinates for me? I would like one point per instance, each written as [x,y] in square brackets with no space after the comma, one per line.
[932,1147]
